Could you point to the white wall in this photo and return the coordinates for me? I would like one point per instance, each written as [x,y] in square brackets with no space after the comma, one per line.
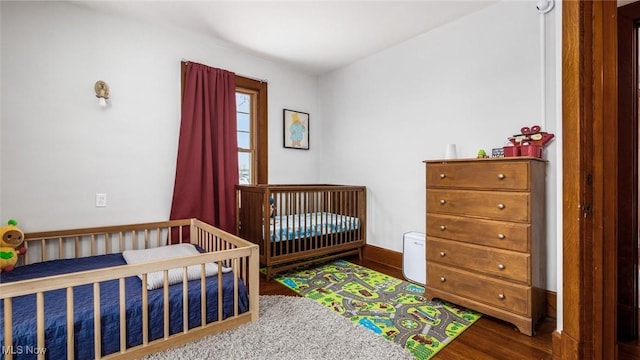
[472,82]
[58,148]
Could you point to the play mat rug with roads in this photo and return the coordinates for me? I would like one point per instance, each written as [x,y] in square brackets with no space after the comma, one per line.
[390,307]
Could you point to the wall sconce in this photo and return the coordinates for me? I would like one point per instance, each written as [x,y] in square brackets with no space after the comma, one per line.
[102,92]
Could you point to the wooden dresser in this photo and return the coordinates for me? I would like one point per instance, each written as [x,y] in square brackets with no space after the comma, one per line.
[486,236]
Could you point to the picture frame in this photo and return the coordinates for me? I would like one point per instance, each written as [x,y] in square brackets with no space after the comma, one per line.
[295,129]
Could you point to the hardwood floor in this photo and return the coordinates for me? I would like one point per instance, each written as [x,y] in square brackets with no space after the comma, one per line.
[488,338]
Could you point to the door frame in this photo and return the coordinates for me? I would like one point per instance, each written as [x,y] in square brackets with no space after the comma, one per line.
[590,140]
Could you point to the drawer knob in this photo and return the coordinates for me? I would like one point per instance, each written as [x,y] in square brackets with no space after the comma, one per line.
[501,266]
[501,206]
[501,236]
[443,201]
[442,253]
[501,176]
[501,296]
[443,228]
[442,279]
[442,176]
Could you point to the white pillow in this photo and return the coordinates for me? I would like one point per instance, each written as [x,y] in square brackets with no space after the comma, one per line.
[156,279]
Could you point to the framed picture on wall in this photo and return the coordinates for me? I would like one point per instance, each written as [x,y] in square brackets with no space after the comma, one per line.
[296,129]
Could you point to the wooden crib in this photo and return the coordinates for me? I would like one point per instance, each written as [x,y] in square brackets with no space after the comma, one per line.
[295,225]
[106,311]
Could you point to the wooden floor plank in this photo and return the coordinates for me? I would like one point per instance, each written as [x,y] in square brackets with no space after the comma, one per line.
[462,351]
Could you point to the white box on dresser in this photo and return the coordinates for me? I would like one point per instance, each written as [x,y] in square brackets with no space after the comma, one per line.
[485,245]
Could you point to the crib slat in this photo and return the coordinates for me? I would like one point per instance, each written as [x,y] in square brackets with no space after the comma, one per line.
[165,290]
[97,345]
[203,297]
[77,247]
[299,242]
[71,334]
[290,245]
[24,259]
[145,311]
[235,287]
[325,237]
[344,215]
[266,238]
[287,212]
[245,270]
[123,316]
[8,326]
[341,217]
[305,225]
[220,292]
[317,237]
[185,300]
[40,322]
[338,210]
[354,217]
[295,245]
[107,245]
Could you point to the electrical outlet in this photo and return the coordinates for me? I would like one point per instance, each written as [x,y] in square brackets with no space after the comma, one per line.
[101,199]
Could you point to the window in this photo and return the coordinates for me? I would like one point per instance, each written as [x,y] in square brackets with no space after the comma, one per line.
[251,114]
[246,122]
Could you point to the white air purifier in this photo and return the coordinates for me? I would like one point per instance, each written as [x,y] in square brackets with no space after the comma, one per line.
[414,258]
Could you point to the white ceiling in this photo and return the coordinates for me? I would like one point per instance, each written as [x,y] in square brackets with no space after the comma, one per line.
[315,36]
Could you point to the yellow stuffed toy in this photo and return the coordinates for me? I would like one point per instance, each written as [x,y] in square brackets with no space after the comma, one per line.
[11,237]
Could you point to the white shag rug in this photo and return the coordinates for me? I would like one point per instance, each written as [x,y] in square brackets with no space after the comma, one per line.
[291,328]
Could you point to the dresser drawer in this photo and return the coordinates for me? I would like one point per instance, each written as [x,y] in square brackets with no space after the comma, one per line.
[499,234]
[505,264]
[510,206]
[498,293]
[504,175]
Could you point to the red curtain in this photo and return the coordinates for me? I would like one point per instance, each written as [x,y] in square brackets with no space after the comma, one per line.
[207,165]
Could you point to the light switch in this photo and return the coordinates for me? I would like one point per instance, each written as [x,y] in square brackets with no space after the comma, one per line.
[101,199]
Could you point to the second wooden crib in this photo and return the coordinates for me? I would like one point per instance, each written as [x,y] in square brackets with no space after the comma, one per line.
[296,225]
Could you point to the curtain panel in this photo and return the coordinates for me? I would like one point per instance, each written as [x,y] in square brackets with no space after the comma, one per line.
[207,162]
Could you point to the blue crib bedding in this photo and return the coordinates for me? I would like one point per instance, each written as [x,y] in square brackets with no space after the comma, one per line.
[288,227]
[24,309]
